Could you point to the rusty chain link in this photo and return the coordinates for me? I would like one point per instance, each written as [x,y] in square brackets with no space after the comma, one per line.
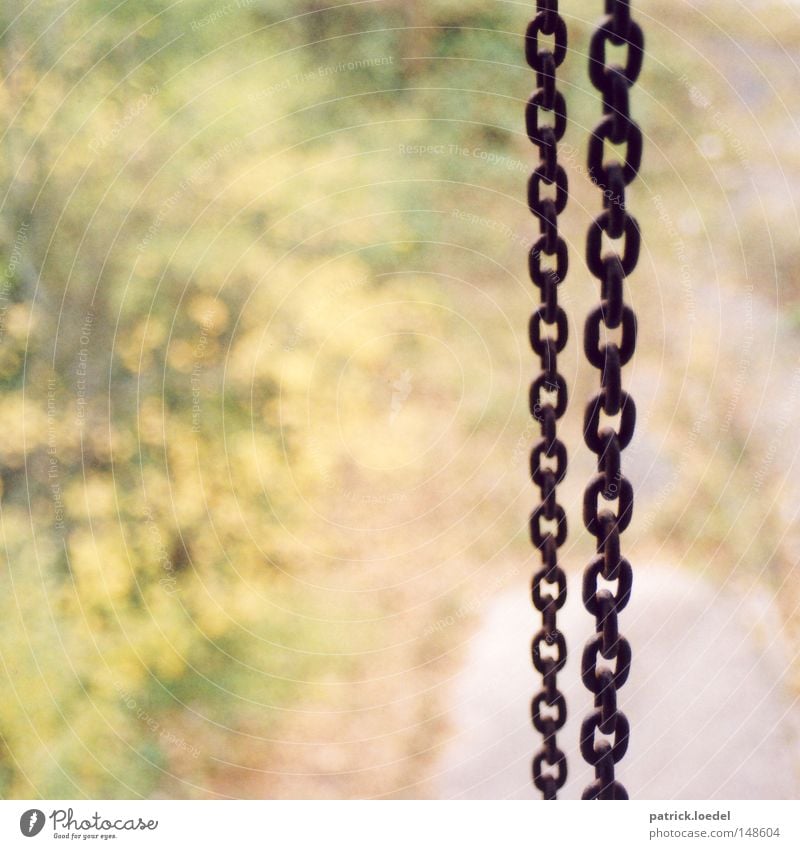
[548,392]
[605,731]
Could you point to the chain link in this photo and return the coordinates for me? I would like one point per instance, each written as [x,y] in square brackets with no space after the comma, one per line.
[605,731]
[548,393]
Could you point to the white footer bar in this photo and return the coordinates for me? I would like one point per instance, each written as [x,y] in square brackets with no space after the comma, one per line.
[401,824]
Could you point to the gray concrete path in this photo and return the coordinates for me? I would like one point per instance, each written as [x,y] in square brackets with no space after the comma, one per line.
[707,697]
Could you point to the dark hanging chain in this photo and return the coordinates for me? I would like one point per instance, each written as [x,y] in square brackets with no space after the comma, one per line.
[548,392]
[605,731]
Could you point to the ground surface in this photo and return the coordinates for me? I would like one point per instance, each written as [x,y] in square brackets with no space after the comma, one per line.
[710,713]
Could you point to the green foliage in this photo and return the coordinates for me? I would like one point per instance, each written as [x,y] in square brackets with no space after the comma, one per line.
[194,198]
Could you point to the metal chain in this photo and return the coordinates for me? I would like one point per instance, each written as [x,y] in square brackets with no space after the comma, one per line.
[548,392]
[605,731]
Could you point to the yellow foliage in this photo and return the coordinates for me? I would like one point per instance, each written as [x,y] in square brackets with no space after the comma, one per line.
[211,314]
[135,346]
[24,426]
[92,497]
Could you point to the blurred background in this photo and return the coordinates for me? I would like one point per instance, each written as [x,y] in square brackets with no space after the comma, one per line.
[263,422]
